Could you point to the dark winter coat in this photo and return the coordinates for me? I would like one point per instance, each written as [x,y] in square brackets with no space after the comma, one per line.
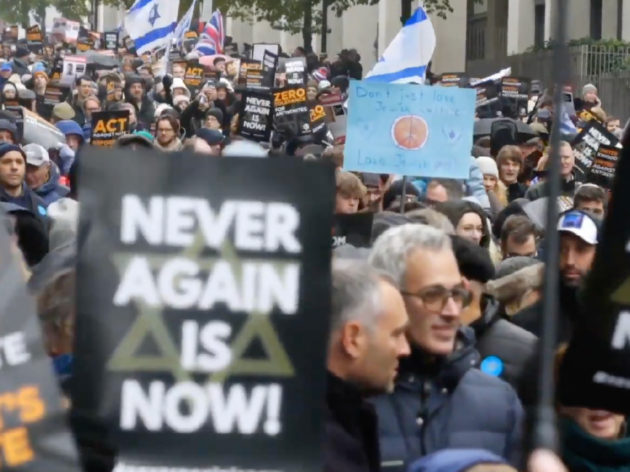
[541,189]
[30,201]
[20,67]
[500,338]
[351,439]
[441,403]
[516,190]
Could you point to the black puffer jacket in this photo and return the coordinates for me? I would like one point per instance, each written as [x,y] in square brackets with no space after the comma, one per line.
[500,338]
[351,441]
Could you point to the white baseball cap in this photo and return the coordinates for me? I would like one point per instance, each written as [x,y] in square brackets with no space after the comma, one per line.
[36,155]
[579,224]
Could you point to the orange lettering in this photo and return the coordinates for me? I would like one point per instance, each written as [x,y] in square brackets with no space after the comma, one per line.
[16,447]
[32,408]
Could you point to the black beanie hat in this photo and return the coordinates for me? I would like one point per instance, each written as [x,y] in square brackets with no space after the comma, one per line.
[473,260]
[217,113]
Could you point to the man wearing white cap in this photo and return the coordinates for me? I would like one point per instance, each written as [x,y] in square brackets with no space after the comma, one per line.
[42,175]
[579,236]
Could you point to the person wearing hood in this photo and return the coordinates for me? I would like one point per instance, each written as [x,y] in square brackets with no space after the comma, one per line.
[42,175]
[19,64]
[503,346]
[74,140]
[8,131]
[13,188]
[167,134]
[10,94]
[440,400]
[579,237]
[135,94]
[568,184]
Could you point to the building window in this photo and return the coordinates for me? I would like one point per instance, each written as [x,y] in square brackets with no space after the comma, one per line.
[476,30]
[539,25]
[596,19]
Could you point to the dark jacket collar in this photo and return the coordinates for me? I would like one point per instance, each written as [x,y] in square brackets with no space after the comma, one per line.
[581,451]
[447,371]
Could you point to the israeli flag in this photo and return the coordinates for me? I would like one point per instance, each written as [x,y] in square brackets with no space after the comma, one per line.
[151,23]
[406,58]
[184,24]
[567,127]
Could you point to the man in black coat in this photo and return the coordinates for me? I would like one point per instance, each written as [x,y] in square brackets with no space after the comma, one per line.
[367,338]
[503,346]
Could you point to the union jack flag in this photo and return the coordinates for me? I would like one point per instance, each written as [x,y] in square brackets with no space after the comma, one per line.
[213,34]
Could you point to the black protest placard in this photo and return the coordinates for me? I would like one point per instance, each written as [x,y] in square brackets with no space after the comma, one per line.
[196,283]
[33,430]
[251,74]
[194,76]
[453,79]
[84,44]
[34,39]
[586,144]
[255,117]
[295,71]
[514,93]
[55,94]
[355,230]
[110,40]
[269,65]
[318,118]
[108,126]
[291,112]
[595,372]
[10,34]
[602,172]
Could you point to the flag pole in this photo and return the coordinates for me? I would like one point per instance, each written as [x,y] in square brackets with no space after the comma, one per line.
[545,434]
[403,195]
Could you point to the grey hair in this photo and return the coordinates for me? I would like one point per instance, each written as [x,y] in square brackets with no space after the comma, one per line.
[390,250]
[431,218]
[355,293]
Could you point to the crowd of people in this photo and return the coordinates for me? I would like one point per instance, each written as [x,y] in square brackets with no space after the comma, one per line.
[434,327]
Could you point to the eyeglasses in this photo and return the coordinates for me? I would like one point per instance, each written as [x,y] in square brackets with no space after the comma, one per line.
[436,297]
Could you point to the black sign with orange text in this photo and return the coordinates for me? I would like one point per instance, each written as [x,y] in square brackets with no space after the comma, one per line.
[193,77]
[33,431]
[108,126]
[602,171]
[291,111]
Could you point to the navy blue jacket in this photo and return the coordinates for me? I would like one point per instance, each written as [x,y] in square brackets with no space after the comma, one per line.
[52,190]
[447,403]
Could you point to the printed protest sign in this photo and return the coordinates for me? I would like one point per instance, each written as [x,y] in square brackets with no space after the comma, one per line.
[595,372]
[110,40]
[335,115]
[586,144]
[66,30]
[514,96]
[108,126]
[255,116]
[355,229]
[258,52]
[10,34]
[602,172]
[294,70]
[452,79]
[269,65]
[409,130]
[196,283]
[318,118]
[33,431]
[55,94]
[84,44]
[251,75]
[193,77]
[73,68]
[34,39]
[291,112]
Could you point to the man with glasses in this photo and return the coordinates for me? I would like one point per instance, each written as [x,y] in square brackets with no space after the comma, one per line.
[440,399]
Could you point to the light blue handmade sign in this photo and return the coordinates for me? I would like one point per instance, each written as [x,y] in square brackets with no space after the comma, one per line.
[409,129]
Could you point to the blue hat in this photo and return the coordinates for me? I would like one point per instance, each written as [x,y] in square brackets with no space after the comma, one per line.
[8,147]
[6,66]
[70,127]
[38,67]
[211,136]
